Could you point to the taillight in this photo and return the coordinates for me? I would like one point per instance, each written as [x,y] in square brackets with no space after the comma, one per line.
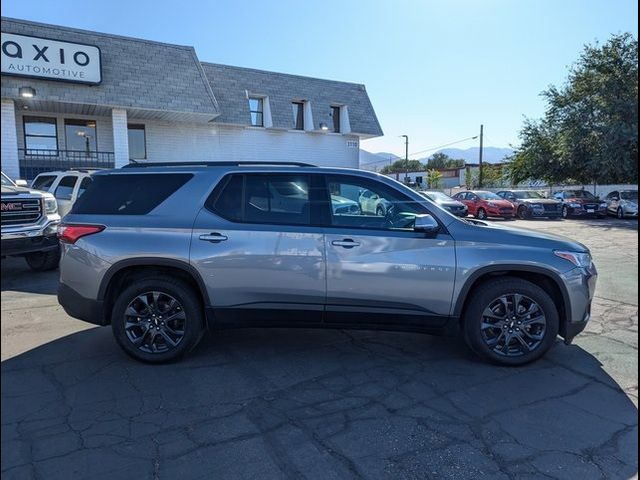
[72,233]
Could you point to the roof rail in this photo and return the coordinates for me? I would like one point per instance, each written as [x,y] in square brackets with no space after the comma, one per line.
[215,164]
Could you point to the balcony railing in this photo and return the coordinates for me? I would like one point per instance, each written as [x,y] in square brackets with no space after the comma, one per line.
[33,162]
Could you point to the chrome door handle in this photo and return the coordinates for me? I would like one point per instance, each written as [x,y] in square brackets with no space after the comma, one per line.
[346,243]
[213,237]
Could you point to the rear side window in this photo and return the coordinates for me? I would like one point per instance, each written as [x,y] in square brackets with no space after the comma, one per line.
[64,190]
[43,182]
[131,194]
[86,181]
[277,199]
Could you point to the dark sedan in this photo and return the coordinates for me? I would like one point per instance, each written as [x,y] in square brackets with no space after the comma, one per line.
[581,203]
[448,203]
[531,204]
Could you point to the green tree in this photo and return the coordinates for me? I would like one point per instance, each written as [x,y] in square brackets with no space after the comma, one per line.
[401,166]
[590,130]
[442,160]
[434,178]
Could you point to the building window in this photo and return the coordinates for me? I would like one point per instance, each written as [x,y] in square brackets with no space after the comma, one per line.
[81,135]
[298,115]
[335,115]
[256,108]
[40,134]
[137,141]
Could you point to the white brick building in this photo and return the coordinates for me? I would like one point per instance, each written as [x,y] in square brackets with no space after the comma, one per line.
[74,98]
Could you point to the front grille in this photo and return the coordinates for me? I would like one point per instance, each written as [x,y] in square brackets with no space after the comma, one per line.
[549,207]
[20,211]
[591,205]
[506,210]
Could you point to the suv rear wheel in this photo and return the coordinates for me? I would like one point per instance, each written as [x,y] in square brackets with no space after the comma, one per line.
[510,321]
[43,261]
[157,319]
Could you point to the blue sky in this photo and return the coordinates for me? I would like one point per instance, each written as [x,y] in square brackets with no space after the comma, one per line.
[435,70]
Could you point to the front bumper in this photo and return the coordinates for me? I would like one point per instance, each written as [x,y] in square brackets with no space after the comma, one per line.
[581,212]
[501,212]
[41,237]
[79,307]
[581,286]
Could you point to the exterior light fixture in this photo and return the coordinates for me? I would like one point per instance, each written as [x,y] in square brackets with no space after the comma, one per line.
[323,126]
[27,92]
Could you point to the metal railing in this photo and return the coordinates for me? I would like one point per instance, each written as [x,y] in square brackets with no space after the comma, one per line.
[33,162]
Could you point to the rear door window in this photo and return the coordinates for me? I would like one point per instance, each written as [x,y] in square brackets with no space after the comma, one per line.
[64,190]
[84,184]
[129,194]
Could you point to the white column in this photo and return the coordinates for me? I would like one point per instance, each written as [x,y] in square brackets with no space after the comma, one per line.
[9,155]
[120,137]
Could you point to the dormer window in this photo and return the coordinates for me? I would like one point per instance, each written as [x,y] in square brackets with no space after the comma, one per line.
[256,109]
[298,115]
[335,115]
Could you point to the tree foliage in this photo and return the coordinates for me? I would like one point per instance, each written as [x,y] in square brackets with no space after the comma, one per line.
[442,160]
[434,178]
[590,129]
[402,166]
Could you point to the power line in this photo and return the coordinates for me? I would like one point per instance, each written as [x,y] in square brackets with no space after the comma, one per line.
[422,151]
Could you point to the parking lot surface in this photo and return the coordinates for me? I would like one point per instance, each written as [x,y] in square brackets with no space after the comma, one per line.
[278,403]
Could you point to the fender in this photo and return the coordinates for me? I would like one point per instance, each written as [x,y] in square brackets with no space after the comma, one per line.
[464,291]
[153,262]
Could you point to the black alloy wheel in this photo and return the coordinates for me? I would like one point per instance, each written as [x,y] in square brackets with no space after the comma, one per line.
[523,214]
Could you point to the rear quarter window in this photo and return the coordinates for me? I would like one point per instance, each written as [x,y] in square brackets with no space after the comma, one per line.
[131,194]
[43,182]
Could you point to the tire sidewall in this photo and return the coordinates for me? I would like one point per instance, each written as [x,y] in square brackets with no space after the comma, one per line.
[490,291]
[565,212]
[481,213]
[620,213]
[522,212]
[178,290]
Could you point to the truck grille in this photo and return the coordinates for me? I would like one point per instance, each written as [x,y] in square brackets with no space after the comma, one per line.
[20,212]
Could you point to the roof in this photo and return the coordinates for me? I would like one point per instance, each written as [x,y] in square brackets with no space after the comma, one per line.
[136,74]
[231,85]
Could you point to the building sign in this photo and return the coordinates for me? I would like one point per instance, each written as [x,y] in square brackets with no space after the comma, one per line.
[44,58]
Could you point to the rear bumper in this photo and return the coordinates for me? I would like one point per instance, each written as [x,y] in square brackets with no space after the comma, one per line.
[26,245]
[77,306]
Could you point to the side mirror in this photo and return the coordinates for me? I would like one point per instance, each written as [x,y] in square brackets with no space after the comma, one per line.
[21,183]
[426,224]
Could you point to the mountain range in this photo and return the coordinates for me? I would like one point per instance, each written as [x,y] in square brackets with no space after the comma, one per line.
[371,161]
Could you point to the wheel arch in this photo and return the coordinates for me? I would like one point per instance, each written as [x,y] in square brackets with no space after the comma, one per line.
[547,279]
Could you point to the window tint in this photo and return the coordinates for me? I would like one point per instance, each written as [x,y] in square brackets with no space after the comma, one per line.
[43,182]
[64,190]
[137,141]
[129,194]
[84,184]
[281,199]
[335,116]
[360,203]
[298,115]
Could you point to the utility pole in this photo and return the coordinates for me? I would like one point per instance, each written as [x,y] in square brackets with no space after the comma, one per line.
[406,157]
[480,158]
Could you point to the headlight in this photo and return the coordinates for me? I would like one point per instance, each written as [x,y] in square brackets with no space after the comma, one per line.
[575,205]
[579,259]
[50,205]
[491,204]
[603,205]
[537,206]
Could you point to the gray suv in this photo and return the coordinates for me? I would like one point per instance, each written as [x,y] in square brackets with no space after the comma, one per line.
[163,251]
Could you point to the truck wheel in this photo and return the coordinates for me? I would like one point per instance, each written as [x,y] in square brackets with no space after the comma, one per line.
[157,319]
[43,261]
[510,321]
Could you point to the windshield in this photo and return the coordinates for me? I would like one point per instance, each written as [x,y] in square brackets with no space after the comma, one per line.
[437,196]
[527,195]
[629,195]
[488,196]
[579,194]
[6,181]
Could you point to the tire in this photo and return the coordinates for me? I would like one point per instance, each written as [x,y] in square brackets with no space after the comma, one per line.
[380,211]
[523,214]
[620,213]
[43,261]
[154,346]
[565,212]
[512,352]
[481,214]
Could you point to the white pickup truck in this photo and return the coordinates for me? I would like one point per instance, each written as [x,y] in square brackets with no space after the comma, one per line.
[29,225]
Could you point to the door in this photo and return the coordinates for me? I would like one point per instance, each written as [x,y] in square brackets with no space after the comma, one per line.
[379,270]
[613,201]
[257,251]
[64,193]
[468,199]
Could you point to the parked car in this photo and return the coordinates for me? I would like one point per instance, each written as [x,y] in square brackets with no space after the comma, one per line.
[162,252]
[530,204]
[446,202]
[623,203]
[580,203]
[66,186]
[370,202]
[29,225]
[483,204]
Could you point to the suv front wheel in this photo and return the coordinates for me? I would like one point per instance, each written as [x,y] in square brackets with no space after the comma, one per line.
[510,321]
[157,319]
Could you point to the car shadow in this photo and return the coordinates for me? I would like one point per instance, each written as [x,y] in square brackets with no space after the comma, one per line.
[287,403]
[609,223]
[17,276]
